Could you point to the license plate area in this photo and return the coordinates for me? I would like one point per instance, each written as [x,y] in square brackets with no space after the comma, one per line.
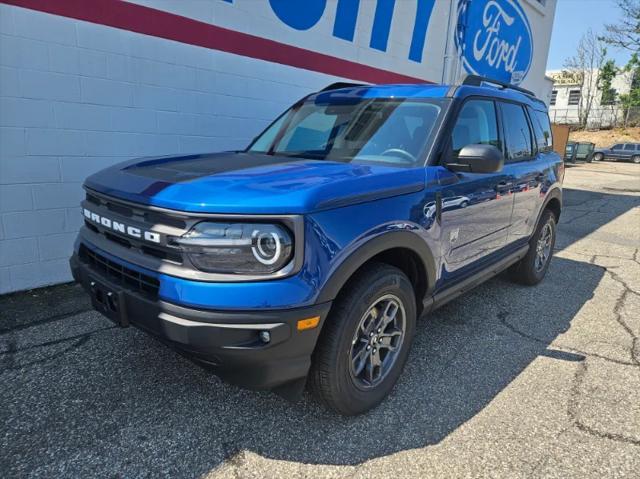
[109,301]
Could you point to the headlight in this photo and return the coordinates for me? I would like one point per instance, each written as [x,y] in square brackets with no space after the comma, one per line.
[238,248]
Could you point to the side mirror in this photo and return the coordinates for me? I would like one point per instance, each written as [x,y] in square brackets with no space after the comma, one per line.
[478,159]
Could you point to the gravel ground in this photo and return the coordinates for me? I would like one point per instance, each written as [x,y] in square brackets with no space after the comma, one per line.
[507,381]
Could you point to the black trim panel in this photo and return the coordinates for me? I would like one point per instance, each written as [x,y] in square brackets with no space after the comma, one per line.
[394,239]
[480,277]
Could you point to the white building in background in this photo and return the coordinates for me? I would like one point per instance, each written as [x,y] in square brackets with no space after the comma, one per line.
[570,94]
[84,85]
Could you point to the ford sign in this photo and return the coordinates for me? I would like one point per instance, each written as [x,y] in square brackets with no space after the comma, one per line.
[494,39]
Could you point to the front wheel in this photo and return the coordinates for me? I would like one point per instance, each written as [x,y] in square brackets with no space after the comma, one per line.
[598,157]
[531,269]
[365,341]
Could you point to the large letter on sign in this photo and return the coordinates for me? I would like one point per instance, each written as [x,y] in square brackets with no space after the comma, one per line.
[423,15]
[346,17]
[301,15]
[382,24]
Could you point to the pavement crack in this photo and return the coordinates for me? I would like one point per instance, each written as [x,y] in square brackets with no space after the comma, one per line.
[54,342]
[9,363]
[572,411]
[502,317]
[51,319]
[576,218]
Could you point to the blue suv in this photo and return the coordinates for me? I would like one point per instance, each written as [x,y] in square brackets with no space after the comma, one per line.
[307,258]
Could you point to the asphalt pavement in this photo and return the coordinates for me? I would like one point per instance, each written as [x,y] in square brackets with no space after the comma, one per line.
[507,381]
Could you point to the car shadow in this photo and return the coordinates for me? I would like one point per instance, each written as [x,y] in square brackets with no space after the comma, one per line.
[123,403]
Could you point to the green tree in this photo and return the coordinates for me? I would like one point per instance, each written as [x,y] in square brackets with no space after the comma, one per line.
[605,78]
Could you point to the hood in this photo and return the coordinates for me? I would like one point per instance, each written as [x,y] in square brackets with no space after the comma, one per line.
[249,183]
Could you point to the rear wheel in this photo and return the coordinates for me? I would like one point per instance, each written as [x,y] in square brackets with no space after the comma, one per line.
[531,269]
[636,159]
[365,341]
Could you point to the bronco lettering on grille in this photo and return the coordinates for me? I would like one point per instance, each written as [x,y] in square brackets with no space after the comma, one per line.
[118,227]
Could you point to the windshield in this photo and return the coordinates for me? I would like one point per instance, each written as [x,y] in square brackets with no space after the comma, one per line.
[393,131]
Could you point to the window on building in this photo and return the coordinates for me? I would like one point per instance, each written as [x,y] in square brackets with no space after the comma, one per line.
[517,132]
[574,97]
[476,124]
[554,96]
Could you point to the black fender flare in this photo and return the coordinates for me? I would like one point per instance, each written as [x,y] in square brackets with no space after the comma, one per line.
[394,239]
[554,193]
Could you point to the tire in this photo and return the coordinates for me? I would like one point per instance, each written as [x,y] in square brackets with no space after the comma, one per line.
[636,159]
[532,269]
[346,335]
[598,157]
[464,204]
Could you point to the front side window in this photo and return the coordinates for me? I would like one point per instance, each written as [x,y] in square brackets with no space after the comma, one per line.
[476,124]
[617,147]
[517,132]
[346,128]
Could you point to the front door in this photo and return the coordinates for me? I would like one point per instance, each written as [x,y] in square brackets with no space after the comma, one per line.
[475,207]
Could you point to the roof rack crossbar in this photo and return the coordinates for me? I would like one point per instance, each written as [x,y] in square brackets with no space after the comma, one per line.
[477,80]
[340,84]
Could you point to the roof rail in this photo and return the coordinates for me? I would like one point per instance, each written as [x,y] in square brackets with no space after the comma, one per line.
[477,80]
[340,84]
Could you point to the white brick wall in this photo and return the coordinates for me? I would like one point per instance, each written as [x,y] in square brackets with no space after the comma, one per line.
[76,97]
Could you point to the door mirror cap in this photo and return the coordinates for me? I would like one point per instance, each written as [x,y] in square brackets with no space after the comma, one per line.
[478,159]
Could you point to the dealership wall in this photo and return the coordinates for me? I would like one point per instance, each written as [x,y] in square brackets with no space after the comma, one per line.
[84,85]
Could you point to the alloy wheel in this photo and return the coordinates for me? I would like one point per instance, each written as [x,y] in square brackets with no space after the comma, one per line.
[377,341]
[543,247]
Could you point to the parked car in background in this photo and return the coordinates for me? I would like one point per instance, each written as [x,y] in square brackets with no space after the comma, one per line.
[619,152]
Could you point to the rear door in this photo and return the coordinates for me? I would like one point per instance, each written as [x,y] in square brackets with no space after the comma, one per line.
[525,167]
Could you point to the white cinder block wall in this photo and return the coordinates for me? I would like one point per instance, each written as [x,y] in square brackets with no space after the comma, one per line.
[78,95]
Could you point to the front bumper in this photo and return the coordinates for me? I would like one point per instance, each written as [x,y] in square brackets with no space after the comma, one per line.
[229,342]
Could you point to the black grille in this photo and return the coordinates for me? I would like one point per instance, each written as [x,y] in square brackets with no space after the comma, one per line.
[138,282]
[143,214]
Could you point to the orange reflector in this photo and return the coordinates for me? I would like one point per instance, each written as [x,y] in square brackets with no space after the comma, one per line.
[308,323]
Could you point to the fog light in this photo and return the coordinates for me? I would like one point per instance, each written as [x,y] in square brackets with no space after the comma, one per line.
[265,336]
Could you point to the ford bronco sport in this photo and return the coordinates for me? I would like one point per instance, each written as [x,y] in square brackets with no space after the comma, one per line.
[308,257]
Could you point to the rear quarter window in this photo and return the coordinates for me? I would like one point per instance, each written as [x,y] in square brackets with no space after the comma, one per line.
[542,130]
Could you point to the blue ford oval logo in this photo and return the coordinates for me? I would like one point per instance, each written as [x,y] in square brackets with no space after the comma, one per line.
[494,39]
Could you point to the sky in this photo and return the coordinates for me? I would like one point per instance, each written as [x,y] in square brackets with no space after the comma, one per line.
[573,18]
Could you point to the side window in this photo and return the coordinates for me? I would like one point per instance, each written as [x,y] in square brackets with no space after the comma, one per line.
[517,133]
[629,147]
[476,124]
[542,129]
[617,147]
